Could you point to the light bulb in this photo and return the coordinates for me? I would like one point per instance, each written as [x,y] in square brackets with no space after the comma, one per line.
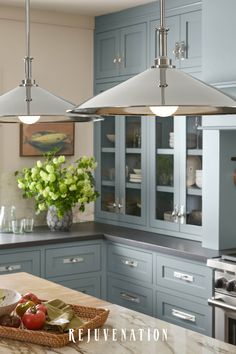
[164,111]
[29,119]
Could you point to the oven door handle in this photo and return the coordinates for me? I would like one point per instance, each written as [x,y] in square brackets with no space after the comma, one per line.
[220,303]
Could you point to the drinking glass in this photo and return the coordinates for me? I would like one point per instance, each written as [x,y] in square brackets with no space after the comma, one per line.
[18,226]
[28,224]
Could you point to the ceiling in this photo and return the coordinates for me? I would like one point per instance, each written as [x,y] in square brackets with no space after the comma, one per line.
[84,7]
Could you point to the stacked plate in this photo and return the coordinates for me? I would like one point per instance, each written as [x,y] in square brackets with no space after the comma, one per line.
[135,177]
[171,140]
[199,178]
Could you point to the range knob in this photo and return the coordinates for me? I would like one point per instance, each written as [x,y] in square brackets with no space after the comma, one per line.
[231,285]
[220,282]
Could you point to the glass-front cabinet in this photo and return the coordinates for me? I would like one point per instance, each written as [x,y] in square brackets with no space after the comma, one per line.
[176,174]
[121,173]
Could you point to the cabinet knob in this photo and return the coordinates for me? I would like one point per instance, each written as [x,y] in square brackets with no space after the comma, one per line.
[129,297]
[181,212]
[182,50]
[115,60]
[119,60]
[183,315]
[175,212]
[176,50]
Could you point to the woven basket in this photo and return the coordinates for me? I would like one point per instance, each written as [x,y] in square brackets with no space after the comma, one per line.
[93,318]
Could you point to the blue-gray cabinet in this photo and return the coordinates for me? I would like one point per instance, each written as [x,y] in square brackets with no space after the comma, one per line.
[184,311]
[16,260]
[121,51]
[170,288]
[77,265]
[175,191]
[121,176]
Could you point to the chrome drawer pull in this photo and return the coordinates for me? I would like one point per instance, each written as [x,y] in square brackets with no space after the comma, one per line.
[182,276]
[10,268]
[183,315]
[129,297]
[73,260]
[129,263]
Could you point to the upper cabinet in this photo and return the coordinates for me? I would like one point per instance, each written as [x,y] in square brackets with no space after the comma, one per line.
[184,39]
[121,176]
[176,174]
[121,51]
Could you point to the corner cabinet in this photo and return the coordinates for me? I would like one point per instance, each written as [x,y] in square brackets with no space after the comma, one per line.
[121,51]
[120,149]
[176,174]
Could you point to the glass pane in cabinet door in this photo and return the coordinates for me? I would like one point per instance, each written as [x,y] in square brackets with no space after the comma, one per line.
[165,168]
[164,133]
[194,171]
[108,141]
[133,166]
[133,132]
[108,132]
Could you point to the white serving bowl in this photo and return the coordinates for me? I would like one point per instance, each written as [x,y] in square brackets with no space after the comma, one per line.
[111,137]
[137,171]
[11,298]
[199,183]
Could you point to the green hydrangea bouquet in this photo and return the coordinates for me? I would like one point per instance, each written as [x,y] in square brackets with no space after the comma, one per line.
[52,183]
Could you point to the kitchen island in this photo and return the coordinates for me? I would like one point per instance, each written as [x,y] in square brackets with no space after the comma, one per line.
[157,336]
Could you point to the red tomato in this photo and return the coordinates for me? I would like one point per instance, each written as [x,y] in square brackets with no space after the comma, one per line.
[33,318]
[41,307]
[31,297]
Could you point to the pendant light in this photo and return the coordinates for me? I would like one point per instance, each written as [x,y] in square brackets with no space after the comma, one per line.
[28,103]
[161,90]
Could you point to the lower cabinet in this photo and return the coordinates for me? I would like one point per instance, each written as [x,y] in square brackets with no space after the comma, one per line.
[168,287]
[184,311]
[90,285]
[77,265]
[129,294]
[171,288]
[17,261]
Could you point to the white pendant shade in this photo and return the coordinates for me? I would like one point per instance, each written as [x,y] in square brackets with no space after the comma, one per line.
[140,94]
[43,103]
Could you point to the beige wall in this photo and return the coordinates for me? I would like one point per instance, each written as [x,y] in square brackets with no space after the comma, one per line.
[62,46]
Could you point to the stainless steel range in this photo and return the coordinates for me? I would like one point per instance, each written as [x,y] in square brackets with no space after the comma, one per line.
[224,299]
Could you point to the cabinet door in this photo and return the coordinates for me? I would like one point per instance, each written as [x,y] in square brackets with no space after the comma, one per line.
[106,54]
[106,151]
[191,35]
[133,171]
[107,173]
[191,176]
[164,173]
[173,23]
[133,49]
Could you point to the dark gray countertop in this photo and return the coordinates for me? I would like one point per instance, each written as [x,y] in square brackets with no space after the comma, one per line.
[93,231]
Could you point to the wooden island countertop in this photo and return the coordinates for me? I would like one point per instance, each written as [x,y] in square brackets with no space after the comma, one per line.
[127,331]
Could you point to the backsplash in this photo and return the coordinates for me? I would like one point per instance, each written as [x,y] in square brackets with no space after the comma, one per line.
[10,194]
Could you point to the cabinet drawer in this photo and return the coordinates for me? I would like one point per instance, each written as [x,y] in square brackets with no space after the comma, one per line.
[184,312]
[90,286]
[73,260]
[131,263]
[190,278]
[129,295]
[20,262]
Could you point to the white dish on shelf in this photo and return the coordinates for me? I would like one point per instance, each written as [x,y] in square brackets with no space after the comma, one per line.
[135,180]
[111,137]
[137,171]
[132,175]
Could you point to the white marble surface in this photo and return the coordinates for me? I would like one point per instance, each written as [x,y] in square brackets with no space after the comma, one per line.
[179,340]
